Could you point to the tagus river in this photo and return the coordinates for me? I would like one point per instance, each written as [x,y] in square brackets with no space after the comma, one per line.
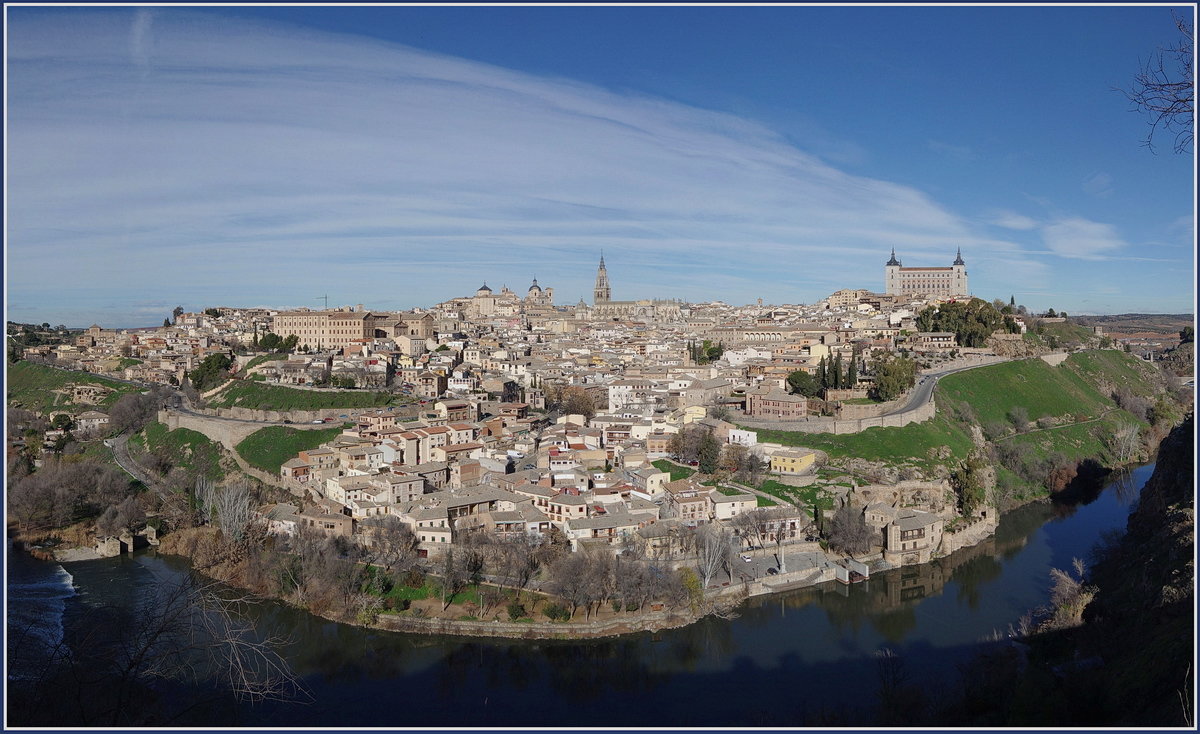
[786,660]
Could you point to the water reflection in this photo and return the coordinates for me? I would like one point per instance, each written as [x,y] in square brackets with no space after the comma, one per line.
[787,660]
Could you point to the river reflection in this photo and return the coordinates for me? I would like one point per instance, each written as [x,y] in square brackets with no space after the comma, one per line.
[806,657]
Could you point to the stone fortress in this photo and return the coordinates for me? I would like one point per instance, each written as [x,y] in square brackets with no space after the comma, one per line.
[936,281]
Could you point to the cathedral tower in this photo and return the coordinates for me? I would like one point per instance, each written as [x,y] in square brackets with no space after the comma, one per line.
[602,292]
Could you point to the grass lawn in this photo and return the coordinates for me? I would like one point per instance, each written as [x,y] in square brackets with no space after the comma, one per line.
[861,401]
[677,472]
[257,396]
[267,448]
[189,449]
[764,502]
[32,386]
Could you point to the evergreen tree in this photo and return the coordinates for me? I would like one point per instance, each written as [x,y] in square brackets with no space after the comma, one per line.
[852,374]
[709,455]
[822,377]
[837,372]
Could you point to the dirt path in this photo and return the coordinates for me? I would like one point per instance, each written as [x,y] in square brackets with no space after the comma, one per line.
[1055,428]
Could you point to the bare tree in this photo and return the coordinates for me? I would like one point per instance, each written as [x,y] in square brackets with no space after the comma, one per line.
[752,526]
[146,664]
[454,578]
[515,561]
[394,545]
[1165,91]
[234,505]
[119,517]
[849,532]
[714,545]
[582,578]
[1124,442]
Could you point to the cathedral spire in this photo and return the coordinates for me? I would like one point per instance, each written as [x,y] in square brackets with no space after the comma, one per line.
[602,292]
[893,261]
[958,260]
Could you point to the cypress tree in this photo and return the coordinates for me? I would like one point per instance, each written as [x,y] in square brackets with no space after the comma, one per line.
[822,377]
[852,374]
[837,372]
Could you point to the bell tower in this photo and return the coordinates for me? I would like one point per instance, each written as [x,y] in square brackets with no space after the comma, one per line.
[602,292]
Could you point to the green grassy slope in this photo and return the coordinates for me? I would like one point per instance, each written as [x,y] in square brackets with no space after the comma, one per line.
[911,443]
[1031,383]
[261,359]
[254,395]
[32,386]
[1077,393]
[269,447]
[189,449]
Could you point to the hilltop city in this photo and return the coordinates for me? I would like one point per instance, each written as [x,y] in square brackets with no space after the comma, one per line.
[687,434]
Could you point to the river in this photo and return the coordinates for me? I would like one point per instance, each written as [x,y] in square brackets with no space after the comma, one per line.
[787,660]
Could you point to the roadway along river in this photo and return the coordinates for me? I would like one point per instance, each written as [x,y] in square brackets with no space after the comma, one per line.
[787,659]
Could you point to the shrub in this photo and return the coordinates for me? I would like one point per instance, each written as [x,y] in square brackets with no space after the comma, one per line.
[516,610]
[993,430]
[556,612]
[1019,417]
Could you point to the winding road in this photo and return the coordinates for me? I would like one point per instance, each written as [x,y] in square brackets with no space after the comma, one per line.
[923,392]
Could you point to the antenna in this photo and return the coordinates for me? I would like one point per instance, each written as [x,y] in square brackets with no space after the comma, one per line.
[326,298]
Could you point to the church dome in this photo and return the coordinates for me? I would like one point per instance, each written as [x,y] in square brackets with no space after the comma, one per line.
[535,288]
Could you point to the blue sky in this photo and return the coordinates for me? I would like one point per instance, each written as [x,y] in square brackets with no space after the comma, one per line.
[401,156]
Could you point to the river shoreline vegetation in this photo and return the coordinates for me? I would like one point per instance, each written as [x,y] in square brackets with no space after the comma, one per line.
[999,440]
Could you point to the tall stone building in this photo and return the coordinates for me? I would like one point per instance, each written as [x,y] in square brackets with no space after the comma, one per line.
[949,282]
[604,308]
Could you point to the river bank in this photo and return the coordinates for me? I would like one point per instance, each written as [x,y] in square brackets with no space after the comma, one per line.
[783,662]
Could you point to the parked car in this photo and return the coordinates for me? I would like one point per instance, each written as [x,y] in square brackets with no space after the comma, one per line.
[772,570]
[318,421]
[746,559]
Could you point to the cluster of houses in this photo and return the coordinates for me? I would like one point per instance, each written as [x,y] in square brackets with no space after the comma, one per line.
[475,451]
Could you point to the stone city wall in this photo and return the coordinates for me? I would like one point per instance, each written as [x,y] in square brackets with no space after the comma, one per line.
[837,426]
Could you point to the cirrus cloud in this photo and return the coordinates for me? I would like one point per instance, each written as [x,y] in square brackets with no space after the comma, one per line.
[1080,238]
[185,155]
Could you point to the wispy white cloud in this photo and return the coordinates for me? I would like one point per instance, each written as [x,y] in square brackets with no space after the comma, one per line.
[182,155]
[959,153]
[1081,239]
[1099,184]
[1011,220]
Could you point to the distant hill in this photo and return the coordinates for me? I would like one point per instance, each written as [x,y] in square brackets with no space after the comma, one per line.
[1165,324]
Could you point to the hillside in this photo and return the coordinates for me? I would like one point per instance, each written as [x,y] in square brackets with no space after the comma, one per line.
[189,450]
[41,388]
[1029,418]
[257,396]
[1139,324]
[267,448]
[1129,664]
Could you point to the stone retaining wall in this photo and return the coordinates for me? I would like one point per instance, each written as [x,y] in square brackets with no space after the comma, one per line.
[855,412]
[826,425]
